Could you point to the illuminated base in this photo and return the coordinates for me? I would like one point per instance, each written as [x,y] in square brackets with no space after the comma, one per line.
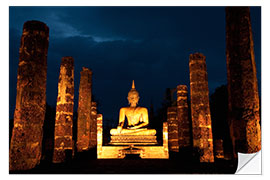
[141,131]
[133,140]
[125,146]
[145,152]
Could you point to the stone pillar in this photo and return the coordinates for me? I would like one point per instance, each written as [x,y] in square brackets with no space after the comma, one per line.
[26,140]
[200,110]
[243,95]
[165,139]
[219,152]
[172,129]
[99,135]
[63,143]
[93,126]
[182,116]
[84,110]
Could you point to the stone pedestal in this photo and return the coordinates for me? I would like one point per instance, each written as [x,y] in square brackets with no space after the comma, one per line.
[84,110]
[26,140]
[173,128]
[182,116]
[142,136]
[120,151]
[63,143]
[133,139]
[244,117]
[200,111]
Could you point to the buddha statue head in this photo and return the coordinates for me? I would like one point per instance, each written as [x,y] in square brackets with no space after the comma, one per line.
[133,96]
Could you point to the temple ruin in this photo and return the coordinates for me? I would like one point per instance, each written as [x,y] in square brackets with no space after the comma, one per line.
[184,131]
[63,141]
[173,129]
[219,150]
[200,110]
[134,137]
[84,110]
[93,126]
[27,133]
[244,116]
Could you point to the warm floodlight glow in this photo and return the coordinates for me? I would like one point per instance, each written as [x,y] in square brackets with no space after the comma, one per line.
[243,96]
[182,116]
[29,115]
[84,110]
[173,129]
[135,134]
[137,117]
[200,110]
[64,111]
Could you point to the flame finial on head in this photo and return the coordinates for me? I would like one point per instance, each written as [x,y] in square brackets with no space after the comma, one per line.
[133,90]
[133,85]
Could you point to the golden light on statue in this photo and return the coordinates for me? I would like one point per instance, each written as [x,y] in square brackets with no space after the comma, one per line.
[136,138]
[137,117]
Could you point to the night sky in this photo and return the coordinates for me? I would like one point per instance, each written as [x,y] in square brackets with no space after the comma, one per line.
[148,44]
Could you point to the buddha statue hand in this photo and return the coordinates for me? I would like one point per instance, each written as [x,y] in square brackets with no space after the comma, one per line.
[119,129]
[133,127]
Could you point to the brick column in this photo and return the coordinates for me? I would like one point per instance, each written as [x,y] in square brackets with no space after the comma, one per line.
[165,138]
[26,140]
[200,111]
[172,129]
[63,143]
[182,116]
[99,135]
[84,110]
[219,151]
[93,126]
[243,95]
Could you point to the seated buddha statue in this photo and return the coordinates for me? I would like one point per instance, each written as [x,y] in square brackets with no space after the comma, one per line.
[137,117]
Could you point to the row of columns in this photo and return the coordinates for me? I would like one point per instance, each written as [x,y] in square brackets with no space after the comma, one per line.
[179,125]
[243,96]
[86,122]
[26,141]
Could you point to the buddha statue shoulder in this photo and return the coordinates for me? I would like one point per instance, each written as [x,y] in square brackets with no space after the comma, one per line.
[137,117]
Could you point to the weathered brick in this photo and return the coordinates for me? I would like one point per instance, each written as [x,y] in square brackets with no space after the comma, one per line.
[173,129]
[84,110]
[243,96]
[31,97]
[182,116]
[93,126]
[64,111]
[200,111]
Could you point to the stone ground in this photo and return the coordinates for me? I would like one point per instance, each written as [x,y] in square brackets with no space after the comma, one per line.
[86,163]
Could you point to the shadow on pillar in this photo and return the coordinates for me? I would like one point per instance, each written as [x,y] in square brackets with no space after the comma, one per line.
[48,134]
[219,114]
[185,154]
[85,156]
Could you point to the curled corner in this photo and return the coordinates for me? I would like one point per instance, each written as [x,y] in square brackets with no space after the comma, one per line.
[249,163]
